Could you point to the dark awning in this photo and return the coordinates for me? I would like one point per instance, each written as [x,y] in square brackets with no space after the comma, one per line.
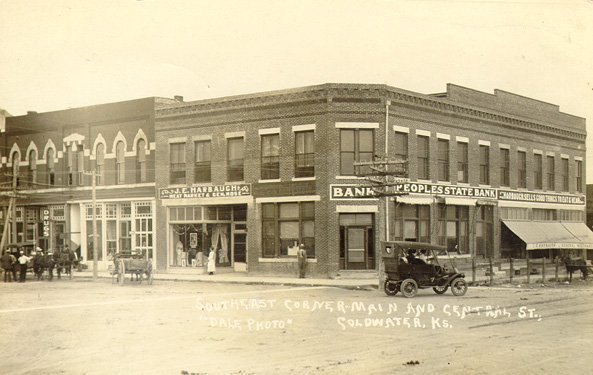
[552,235]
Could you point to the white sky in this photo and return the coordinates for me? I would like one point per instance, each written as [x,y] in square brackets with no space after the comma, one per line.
[59,54]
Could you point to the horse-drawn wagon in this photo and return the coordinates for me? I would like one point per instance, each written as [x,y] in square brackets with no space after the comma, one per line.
[133,264]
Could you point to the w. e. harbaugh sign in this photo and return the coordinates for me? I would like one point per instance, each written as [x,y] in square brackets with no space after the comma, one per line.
[210,191]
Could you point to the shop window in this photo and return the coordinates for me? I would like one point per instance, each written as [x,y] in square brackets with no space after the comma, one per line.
[505,167]
[443,159]
[304,158]
[141,161]
[356,145]
[514,213]
[484,165]
[177,163]
[235,161]
[462,162]
[50,165]
[570,215]
[111,237]
[551,172]
[484,231]
[203,162]
[564,173]
[120,163]
[521,169]
[538,175]
[579,175]
[423,157]
[100,163]
[91,243]
[125,239]
[454,228]
[543,214]
[285,226]
[270,156]
[412,223]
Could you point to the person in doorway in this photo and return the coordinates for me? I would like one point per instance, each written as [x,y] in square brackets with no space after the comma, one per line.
[302,260]
[23,263]
[8,260]
[179,252]
[211,261]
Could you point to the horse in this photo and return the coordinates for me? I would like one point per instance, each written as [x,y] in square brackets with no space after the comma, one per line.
[64,260]
[576,264]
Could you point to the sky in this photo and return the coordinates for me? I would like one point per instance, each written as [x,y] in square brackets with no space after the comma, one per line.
[62,54]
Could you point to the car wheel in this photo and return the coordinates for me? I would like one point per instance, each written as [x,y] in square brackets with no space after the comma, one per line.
[440,289]
[409,288]
[390,288]
[458,287]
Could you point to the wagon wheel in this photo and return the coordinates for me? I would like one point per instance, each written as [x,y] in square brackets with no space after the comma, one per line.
[440,289]
[122,272]
[390,288]
[458,287]
[409,288]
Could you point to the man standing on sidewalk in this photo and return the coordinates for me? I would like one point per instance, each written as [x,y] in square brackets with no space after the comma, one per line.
[7,262]
[302,261]
[23,262]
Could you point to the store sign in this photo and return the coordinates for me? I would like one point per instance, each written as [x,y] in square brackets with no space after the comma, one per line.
[211,191]
[558,245]
[45,215]
[521,196]
[366,192]
[351,192]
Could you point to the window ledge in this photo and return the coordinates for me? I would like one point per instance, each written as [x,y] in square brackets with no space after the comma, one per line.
[304,178]
[268,181]
[284,260]
[349,178]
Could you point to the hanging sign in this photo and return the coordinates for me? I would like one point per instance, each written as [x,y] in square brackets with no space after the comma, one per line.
[210,191]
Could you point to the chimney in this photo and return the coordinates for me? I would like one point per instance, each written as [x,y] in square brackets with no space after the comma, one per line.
[178,98]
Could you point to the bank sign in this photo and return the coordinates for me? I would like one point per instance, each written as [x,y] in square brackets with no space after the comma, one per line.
[211,191]
[339,192]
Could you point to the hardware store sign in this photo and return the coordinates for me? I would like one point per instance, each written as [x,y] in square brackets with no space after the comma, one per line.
[211,191]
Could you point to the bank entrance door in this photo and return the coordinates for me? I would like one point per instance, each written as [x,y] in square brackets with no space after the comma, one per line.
[357,242]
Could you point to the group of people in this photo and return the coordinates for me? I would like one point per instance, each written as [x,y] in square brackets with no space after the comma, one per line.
[40,262]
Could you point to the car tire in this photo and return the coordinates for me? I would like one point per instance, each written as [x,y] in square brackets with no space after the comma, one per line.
[458,287]
[409,288]
[390,287]
[440,289]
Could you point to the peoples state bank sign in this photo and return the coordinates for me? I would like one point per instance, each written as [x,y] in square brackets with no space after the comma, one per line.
[348,192]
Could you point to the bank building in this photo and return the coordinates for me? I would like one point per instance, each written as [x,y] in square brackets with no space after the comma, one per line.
[254,176]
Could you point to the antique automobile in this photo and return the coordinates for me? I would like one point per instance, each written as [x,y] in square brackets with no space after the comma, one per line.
[410,266]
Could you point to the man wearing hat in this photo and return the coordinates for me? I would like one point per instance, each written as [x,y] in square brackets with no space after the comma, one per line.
[8,260]
[23,262]
[38,262]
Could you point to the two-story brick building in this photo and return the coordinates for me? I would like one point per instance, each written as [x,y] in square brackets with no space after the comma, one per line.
[256,175]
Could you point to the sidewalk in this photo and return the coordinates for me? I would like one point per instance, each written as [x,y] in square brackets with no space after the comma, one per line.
[242,278]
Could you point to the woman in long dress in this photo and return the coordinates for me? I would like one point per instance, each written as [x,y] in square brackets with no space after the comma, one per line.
[211,262]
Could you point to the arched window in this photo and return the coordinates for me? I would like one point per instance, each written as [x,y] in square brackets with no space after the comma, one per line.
[120,162]
[51,177]
[32,167]
[100,162]
[16,163]
[141,161]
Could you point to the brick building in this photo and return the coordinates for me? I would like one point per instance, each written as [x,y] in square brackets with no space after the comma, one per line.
[46,159]
[255,175]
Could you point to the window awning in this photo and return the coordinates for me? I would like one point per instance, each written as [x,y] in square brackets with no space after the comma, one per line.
[415,199]
[551,235]
[456,201]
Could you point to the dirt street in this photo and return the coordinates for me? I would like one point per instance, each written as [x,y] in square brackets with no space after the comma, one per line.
[84,327]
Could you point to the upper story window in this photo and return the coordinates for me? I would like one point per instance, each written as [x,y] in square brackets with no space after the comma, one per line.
[521,169]
[484,165]
[141,161]
[16,164]
[505,167]
[462,162]
[51,175]
[270,156]
[579,175]
[564,173]
[75,165]
[120,163]
[32,167]
[538,173]
[202,161]
[551,165]
[177,163]
[304,154]
[422,148]
[443,155]
[235,159]
[356,145]
[401,147]
[100,163]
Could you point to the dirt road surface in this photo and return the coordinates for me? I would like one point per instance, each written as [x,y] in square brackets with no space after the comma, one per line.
[84,327]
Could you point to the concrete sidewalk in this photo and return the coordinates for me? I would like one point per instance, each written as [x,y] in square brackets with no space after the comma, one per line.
[242,278]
